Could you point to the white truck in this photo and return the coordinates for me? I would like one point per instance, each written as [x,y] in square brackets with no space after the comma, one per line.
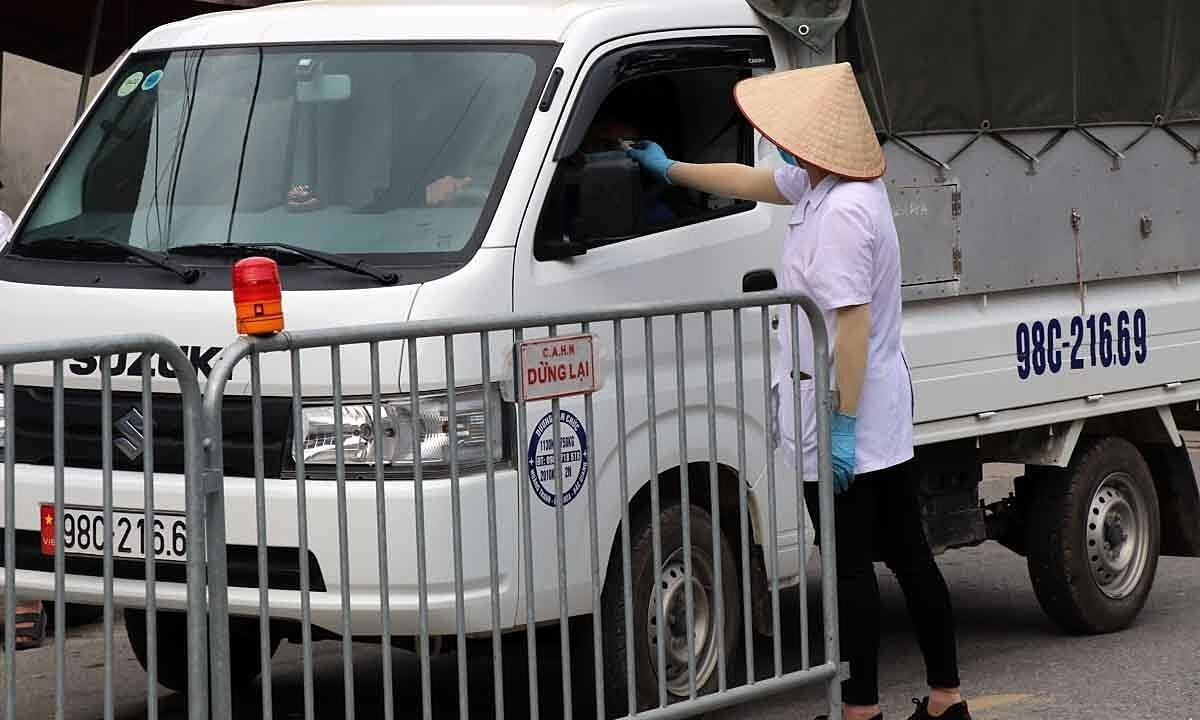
[461,158]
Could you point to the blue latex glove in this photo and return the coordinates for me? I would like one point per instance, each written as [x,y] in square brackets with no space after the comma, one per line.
[653,159]
[843,451]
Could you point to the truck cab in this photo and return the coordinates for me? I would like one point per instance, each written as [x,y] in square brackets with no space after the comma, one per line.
[398,164]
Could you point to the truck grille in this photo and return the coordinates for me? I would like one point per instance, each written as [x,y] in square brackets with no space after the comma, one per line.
[34,411]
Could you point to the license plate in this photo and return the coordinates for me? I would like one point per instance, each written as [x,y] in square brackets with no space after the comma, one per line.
[83,533]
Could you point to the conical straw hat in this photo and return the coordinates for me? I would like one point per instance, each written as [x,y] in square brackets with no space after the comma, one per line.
[818,115]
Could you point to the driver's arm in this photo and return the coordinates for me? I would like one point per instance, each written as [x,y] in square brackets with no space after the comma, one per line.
[442,190]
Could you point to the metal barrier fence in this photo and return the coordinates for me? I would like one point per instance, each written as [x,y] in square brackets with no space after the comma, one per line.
[443,420]
[72,507]
[589,500]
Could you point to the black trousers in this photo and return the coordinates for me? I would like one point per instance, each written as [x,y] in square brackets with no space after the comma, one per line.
[879,517]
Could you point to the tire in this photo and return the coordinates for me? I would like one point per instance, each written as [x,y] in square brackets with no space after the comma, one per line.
[1094,533]
[173,656]
[644,585]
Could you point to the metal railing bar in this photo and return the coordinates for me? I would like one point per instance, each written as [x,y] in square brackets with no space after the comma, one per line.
[597,586]
[626,536]
[743,496]
[60,602]
[560,533]
[306,649]
[148,543]
[485,373]
[798,423]
[385,594]
[10,544]
[655,512]
[339,452]
[106,483]
[527,538]
[772,521]
[419,521]
[382,332]
[260,516]
[456,527]
[710,399]
[685,501]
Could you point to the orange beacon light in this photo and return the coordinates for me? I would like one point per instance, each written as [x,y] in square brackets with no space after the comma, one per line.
[257,296]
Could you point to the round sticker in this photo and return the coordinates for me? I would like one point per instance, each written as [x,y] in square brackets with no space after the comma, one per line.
[152,79]
[133,82]
[573,454]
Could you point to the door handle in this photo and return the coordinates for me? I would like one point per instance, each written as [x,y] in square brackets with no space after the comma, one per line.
[759,281]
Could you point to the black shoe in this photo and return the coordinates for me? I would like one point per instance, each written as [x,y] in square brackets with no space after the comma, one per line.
[957,711]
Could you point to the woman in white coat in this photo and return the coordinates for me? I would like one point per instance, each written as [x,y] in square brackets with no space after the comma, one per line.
[842,251]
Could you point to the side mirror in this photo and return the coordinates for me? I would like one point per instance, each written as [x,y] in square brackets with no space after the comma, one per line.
[590,203]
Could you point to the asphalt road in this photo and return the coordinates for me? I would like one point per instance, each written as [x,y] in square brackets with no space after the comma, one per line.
[1015,664]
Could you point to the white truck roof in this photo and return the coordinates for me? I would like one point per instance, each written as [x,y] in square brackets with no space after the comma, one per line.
[439,20]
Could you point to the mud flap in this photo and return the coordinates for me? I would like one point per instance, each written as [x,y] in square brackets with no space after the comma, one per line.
[1178,498]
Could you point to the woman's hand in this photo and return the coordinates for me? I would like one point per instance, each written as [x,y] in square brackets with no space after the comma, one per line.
[653,159]
[843,451]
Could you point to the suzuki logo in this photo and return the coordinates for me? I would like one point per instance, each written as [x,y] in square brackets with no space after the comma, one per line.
[132,440]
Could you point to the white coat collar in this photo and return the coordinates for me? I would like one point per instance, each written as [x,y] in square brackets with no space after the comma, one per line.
[813,199]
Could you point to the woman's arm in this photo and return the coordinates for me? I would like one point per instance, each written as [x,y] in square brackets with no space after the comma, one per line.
[729,180]
[724,179]
[850,355]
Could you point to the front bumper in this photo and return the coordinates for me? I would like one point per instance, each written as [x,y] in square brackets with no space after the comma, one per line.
[83,582]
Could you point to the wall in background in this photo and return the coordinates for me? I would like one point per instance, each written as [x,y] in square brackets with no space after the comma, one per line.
[37,112]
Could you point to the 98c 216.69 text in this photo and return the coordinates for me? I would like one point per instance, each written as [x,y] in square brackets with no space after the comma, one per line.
[1090,341]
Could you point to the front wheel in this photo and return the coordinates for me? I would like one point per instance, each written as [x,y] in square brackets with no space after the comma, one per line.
[1094,538]
[670,582]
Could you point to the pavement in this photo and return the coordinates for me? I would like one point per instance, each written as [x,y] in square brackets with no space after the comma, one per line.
[1015,663]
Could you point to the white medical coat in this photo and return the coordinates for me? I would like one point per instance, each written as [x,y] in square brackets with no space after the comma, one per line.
[842,250]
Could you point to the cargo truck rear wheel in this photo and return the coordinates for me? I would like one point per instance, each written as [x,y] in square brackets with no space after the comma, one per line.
[172,648]
[1094,537]
[670,582]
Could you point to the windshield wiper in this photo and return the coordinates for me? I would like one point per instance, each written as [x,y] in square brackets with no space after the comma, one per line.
[358,267]
[71,247]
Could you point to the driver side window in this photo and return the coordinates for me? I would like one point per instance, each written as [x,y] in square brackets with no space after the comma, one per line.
[600,196]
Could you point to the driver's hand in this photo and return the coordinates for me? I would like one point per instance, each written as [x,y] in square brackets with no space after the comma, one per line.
[443,189]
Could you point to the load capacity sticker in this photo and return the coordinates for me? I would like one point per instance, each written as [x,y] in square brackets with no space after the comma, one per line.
[572,457]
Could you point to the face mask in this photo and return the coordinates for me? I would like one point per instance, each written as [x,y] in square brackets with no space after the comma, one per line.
[788,158]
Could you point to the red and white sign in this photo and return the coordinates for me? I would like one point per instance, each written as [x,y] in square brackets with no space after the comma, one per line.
[558,367]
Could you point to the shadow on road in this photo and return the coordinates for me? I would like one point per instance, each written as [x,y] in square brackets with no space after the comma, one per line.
[989,616]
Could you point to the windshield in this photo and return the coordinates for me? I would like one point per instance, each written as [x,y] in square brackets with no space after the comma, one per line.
[354,150]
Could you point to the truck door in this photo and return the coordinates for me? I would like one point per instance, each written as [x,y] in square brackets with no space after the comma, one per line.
[600,233]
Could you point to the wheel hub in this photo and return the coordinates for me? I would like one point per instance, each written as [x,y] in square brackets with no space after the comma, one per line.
[1117,536]
[672,588]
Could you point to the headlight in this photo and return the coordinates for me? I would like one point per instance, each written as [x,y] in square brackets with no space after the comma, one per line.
[392,439]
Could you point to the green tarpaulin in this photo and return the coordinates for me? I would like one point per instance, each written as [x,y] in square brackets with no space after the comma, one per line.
[946,65]
[814,22]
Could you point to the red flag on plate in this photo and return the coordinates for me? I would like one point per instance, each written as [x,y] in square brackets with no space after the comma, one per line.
[47,525]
